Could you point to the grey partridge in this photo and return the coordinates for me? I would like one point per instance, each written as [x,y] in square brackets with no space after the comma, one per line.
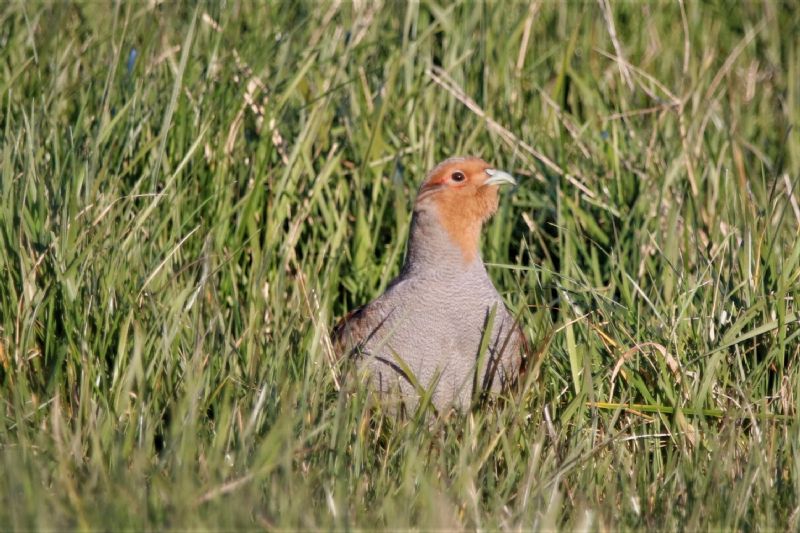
[429,330]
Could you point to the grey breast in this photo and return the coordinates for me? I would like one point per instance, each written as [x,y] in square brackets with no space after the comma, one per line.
[429,335]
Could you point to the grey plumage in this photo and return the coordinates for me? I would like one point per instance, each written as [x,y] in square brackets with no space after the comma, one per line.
[428,325]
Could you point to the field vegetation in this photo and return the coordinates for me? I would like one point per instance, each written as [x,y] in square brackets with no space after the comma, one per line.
[193,194]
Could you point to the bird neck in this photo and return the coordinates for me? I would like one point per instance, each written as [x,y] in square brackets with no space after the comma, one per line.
[433,249]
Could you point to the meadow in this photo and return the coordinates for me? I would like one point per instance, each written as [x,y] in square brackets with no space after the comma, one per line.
[191,195]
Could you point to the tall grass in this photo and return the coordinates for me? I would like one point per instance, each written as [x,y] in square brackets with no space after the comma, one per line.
[192,194]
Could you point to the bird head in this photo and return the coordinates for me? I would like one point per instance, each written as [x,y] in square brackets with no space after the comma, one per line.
[461,193]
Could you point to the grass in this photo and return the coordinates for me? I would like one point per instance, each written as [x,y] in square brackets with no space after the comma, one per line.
[192,194]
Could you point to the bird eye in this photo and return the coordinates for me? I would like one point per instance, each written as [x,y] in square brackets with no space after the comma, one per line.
[458,176]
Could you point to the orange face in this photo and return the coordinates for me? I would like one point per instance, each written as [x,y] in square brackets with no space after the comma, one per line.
[464,193]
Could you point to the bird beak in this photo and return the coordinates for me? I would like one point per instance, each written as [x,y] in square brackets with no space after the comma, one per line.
[499,177]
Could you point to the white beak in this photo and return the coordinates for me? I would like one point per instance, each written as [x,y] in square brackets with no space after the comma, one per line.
[499,177]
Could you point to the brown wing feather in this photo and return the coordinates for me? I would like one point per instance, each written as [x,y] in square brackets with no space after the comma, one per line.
[351,331]
[525,350]
[363,323]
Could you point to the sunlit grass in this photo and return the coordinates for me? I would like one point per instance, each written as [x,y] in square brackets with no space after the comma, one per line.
[191,196]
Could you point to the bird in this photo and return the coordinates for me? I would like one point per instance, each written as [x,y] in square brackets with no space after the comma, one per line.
[440,330]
